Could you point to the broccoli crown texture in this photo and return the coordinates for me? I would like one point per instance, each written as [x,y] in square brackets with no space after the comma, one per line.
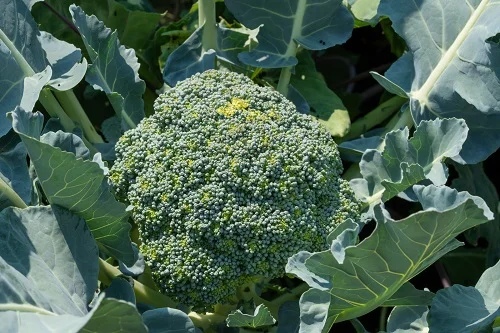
[227,181]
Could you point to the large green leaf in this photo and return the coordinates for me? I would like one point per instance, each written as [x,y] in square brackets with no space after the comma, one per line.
[452,68]
[365,10]
[53,257]
[190,57]
[403,163]
[473,179]
[13,168]
[134,27]
[114,68]
[408,319]
[260,317]
[168,320]
[382,263]
[467,309]
[30,60]
[78,185]
[23,71]
[325,105]
[311,24]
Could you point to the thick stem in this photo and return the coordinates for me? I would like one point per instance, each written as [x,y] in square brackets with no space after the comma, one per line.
[382,319]
[285,76]
[295,293]
[206,17]
[55,110]
[108,272]
[75,111]
[11,195]
[374,117]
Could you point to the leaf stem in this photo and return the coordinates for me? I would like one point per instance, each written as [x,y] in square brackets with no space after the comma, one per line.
[374,117]
[55,110]
[12,195]
[108,272]
[206,18]
[382,319]
[76,112]
[285,76]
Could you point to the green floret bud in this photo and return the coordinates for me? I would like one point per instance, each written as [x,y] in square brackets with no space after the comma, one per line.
[227,181]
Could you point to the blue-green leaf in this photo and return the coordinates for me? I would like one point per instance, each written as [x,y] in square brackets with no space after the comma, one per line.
[34,241]
[13,167]
[467,309]
[473,179]
[289,317]
[120,289]
[311,24]
[451,70]
[188,59]
[408,319]
[325,105]
[137,268]
[168,320]
[64,59]
[114,68]
[365,10]
[404,162]
[408,295]
[24,70]
[395,252]
[78,185]
[261,317]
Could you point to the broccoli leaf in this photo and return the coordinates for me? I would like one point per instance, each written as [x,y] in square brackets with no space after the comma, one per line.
[261,317]
[452,68]
[288,317]
[78,185]
[188,59]
[408,319]
[403,162]
[64,59]
[313,25]
[24,70]
[134,27]
[473,179]
[325,105]
[467,309]
[13,167]
[34,240]
[365,10]
[114,68]
[168,320]
[394,253]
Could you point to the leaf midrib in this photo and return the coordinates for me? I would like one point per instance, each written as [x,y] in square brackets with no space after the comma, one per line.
[422,94]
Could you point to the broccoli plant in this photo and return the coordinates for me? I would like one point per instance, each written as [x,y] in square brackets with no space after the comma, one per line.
[240,166]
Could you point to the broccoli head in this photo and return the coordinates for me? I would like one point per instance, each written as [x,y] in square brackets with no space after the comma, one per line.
[227,181]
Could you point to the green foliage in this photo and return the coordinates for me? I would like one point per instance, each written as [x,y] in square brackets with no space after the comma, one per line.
[226,181]
[261,317]
[228,196]
[325,105]
[450,72]
[76,184]
[313,25]
[393,254]
[473,308]
[403,163]
[119,78]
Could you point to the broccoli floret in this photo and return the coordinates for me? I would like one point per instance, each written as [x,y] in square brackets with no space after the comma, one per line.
[227,181]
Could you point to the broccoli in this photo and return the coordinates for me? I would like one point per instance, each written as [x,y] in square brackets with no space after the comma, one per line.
[226,181]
